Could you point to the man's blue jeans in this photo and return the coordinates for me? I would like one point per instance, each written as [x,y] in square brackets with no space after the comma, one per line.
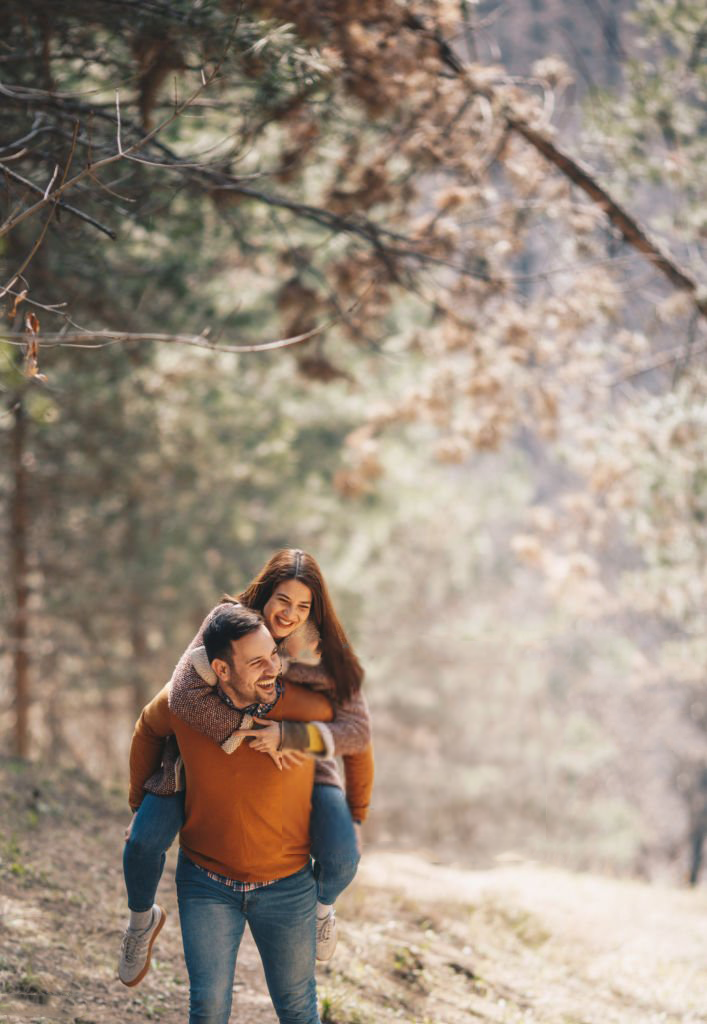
[281,917]
[160,818]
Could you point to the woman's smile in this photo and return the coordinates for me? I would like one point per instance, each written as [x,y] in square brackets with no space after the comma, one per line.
[288,607]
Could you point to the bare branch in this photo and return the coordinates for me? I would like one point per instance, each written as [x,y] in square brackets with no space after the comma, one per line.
[664,358]
[43,232]
[102,338]
[118,139]
[47,190]
[91,169]
[630,229]
[61,204]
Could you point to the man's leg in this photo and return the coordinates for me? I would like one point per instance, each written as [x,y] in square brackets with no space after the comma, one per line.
[212,921]
[152,832]
[282,919]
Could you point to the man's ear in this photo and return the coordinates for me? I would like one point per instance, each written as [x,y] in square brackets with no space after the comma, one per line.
[222,670]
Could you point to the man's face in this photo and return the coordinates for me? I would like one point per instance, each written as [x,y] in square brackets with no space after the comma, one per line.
[255,666]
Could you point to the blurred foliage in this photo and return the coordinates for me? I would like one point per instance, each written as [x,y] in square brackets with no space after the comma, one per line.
[530,604]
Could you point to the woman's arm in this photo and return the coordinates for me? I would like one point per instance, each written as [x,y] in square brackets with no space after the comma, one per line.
[197,702]
[308,674]
[358,774]
[348,734]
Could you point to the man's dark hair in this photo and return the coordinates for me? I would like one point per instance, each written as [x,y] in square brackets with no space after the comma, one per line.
[227,625]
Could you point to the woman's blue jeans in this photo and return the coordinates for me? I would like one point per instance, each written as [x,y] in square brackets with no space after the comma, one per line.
[157,822]
[334,847]
[160,818]
[281,918]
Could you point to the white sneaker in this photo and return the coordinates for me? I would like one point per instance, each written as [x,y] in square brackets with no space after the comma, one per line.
[136,949]
[326,936]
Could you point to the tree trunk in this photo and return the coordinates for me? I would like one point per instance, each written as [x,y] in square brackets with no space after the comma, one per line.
[697,840]
[19,521]
[138,639]
[137,609]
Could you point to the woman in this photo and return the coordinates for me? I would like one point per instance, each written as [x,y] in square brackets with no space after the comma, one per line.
[291,594]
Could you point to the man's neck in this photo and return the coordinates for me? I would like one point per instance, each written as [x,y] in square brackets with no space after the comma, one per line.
[239,702]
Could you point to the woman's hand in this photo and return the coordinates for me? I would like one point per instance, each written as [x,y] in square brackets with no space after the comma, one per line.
[130,827]
[266,739]
[287,758]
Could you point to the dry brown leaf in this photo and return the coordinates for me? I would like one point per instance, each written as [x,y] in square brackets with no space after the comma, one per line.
[16,304]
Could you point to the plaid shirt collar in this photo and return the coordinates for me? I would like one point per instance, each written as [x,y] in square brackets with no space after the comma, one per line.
[257,708]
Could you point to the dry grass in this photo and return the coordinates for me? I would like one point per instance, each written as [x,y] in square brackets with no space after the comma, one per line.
[420,943]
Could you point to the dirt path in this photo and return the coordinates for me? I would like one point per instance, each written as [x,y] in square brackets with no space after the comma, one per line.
[420,943]
[581,949]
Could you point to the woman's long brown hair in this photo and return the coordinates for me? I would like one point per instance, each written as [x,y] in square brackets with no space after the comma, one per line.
[338,658]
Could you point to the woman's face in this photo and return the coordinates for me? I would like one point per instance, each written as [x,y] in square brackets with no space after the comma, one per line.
[288,607]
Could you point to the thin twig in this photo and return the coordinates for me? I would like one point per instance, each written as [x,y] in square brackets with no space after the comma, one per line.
[664,358]
[117,121]
[43,232]
[60,202]
[53,179]
[102,338]
[106,161]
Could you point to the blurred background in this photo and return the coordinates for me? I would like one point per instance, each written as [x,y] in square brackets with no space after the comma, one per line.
[492,218]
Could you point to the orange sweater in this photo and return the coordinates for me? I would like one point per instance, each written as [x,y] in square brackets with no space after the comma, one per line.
[245,819]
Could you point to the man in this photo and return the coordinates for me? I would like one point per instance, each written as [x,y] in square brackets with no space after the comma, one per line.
[245,841]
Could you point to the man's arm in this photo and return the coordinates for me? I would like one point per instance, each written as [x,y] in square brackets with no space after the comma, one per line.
[154,724]
[301,704]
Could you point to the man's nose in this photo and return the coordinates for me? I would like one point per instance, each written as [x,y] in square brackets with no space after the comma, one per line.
[275,664]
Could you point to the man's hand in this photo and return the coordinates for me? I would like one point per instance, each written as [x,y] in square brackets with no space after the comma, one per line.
[130,827]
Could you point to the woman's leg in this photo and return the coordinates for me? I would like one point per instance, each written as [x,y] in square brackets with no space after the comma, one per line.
[334,846]
[157,822]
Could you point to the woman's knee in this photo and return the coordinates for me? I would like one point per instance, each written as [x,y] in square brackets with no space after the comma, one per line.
[338,870]
[338,851]
[145,845]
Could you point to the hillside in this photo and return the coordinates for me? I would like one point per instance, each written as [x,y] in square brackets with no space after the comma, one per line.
[420,942]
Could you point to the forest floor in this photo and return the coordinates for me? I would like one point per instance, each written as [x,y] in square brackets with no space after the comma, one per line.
[419,942]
